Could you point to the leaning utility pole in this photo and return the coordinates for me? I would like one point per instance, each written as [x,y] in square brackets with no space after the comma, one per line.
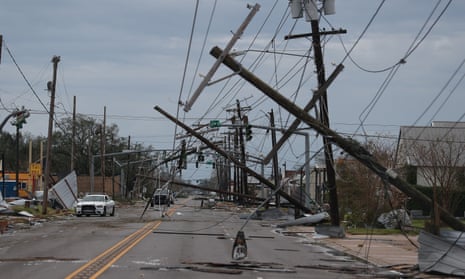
[51,86]
[223,153]
[217,64]
[350,146]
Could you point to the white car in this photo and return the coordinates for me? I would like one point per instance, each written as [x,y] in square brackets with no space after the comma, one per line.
[95,204]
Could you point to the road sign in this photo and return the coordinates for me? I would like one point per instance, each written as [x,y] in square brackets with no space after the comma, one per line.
[36,169]
[215,123]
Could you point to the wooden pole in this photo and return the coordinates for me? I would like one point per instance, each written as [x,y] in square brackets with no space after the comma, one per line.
[48,155]
[73,137]
[223,153]
[324,118]
[349,145]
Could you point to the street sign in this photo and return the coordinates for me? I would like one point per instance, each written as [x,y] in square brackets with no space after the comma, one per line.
[215,123]
[35,169]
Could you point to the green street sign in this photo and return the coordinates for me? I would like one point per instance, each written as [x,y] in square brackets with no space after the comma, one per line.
[215,124]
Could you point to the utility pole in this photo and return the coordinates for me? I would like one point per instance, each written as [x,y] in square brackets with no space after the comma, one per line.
[237,180]
[351,146]
[216,65]
[324,118]
[295,124]
[275,158]
[73,137]
[17,160]
[309,7]
[102,146]
[3,172]
[1,43]
[234,160]
[127,168]
[242,148]
[51,86]
[228,163]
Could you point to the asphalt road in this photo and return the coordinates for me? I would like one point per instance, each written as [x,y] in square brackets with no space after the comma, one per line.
[188,242]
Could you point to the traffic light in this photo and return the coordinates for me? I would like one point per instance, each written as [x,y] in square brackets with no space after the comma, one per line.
[182,163]
[248,128]
[20,119]
[248,132]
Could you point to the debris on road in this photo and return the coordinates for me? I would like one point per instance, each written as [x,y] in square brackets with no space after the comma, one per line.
[244,265]
[443,253]
[395,219]
[307,220]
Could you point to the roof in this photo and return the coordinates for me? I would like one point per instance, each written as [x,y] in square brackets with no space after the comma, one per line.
[447,137]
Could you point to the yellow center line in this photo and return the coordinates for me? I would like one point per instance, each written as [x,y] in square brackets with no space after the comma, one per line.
[122,253]
[148,227]
[111,249]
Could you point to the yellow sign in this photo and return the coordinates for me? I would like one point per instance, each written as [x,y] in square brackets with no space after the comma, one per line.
[36,169]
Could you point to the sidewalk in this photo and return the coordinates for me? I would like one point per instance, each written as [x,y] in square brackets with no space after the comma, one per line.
[380,250]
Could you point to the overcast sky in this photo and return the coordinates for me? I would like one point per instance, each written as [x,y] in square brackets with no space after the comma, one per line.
[131,55]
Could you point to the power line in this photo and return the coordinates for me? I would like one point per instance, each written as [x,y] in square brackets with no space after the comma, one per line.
[363,32]
[212,13]
[24,76]
[396,67]
[440,92]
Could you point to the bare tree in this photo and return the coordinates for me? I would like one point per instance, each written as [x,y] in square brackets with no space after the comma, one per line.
[440,163]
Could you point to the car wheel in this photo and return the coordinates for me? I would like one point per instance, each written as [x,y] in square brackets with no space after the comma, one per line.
[78,215]
[112,211]
[104,212]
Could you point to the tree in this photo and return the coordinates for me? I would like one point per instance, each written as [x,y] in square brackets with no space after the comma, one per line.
[363,195]
[440,163]
[87,144]
[8,149]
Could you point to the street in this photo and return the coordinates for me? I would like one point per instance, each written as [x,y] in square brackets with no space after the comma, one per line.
[188,241]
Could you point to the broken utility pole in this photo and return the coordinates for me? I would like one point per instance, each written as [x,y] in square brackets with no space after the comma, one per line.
[223,153]
[350,146]
[217,63]
[294,125]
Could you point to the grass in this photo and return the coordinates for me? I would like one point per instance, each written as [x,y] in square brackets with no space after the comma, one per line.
[414,229]
[373,231]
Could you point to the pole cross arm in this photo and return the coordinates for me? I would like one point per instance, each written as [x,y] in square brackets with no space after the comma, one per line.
[350,146]
[223,153]
[217,63]
[295,124]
